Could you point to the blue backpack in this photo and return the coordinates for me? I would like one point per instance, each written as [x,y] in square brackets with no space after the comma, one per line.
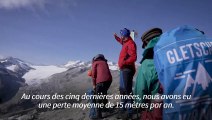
[183,60]
[93,112]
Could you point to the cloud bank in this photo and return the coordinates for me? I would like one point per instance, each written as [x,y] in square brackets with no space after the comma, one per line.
[13,4]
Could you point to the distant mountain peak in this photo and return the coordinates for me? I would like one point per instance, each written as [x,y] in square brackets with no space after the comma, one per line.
[16,65]
[13,60]
[79,63]
[75,63]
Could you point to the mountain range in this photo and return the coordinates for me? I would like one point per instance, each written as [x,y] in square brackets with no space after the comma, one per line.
[18,77]
[34,74]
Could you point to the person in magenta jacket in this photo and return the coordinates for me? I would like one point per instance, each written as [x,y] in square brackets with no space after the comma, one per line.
[102,79]
[126,62]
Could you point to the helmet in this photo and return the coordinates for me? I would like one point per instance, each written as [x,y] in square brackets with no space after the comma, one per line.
[125,32]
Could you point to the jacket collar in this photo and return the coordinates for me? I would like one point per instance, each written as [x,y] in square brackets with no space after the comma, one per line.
[150,45]
[129,39]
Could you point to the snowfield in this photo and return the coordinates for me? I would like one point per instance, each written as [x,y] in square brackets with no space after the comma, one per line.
[41,72]
[113,66]
[12,68]
[74,63]
[3,61]
[37,74]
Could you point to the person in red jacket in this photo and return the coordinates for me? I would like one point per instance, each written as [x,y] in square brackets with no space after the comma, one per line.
[127,58]
[102,79]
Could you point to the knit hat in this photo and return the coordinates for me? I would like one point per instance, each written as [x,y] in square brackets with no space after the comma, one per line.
[150,34]
[125,32]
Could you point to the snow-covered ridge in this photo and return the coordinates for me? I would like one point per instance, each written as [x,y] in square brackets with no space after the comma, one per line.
[76,63]
[15,65]
[36,73]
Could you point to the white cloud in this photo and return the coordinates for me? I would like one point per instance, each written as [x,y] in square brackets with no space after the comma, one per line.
[12,4]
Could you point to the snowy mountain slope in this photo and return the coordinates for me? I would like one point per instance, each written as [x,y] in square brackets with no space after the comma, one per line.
[75,64]
[12,67]
[78,63]
[36,74]
[16,65]
[41,72]
[10,82]
[64,79]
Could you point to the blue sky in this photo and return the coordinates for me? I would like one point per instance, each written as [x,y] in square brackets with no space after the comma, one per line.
[56,31]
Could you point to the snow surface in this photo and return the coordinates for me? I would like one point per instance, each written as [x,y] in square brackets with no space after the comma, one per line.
[12,68]
[74,63]
[3,61]
[41,72]
[113,66]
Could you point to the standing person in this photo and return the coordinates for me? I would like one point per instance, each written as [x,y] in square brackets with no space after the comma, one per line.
[127,58]
[147,82]
[102,80]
